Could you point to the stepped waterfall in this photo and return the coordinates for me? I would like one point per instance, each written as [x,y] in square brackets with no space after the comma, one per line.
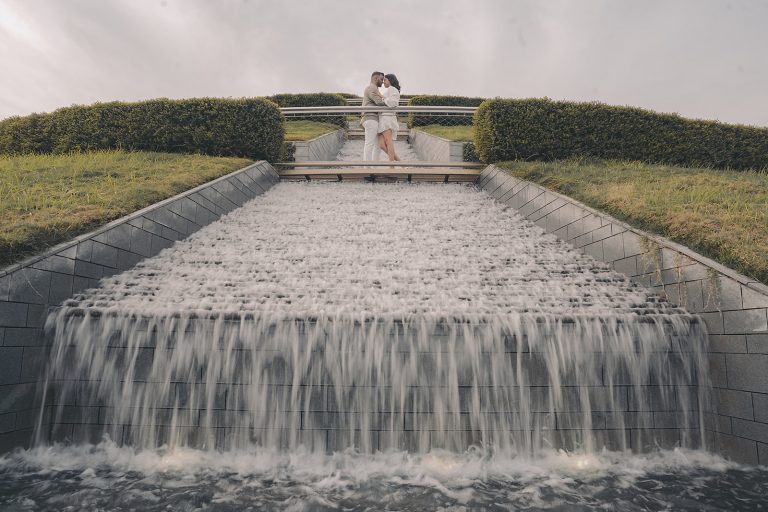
[330,317]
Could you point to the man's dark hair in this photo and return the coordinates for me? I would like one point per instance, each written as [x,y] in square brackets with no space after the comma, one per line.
[376,73]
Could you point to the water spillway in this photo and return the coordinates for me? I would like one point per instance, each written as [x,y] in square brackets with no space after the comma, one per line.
[375,317]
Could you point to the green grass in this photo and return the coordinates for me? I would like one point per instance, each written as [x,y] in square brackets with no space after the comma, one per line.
[462,133]
[307,130]
[48,199]
[721,214]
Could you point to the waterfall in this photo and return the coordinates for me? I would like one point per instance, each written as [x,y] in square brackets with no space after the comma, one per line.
[404,317]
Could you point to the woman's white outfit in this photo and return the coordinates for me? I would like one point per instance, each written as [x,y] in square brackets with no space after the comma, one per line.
[388,120]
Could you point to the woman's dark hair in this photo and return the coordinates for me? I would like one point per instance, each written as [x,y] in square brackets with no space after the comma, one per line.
[393,80]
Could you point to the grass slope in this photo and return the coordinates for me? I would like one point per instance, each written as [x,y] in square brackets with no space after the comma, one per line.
[462,133]
[307,130]
[721,214]
[48,199]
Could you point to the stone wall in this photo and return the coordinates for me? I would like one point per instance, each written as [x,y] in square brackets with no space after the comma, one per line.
[734,307]
[322,148]
[28,289]
[431,147]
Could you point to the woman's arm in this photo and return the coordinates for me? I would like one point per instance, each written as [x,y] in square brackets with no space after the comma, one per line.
[393,100]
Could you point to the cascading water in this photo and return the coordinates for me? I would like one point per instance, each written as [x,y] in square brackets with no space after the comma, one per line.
[380,317]
[369,320]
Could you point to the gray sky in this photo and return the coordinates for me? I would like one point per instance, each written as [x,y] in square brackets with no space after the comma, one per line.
[700,58]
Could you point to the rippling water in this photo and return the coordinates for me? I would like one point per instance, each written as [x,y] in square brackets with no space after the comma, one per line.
[108,477]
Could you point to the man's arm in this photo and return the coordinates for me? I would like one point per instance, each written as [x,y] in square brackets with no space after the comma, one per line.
[378,100]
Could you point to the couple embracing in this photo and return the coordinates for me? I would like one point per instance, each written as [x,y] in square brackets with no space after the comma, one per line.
[380,129]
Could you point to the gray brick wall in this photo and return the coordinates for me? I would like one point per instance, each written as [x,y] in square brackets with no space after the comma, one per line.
[430,147]
[322,148]
[734,307]
[28,289]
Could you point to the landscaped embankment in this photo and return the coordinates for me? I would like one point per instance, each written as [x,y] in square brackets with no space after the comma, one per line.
[48,199]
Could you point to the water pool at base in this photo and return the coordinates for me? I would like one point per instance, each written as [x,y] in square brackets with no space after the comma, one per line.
[108,477]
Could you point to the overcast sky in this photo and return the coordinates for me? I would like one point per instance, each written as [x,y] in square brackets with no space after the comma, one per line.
[700,58]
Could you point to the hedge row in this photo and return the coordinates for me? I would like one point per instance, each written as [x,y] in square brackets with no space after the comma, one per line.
[441,101]
[315,99]
[250,127]
[542,129]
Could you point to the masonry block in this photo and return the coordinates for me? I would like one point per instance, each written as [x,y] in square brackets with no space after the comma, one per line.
[22,337]
[760,403]
[61,288]
[751,430]
[734,403]
[632,243]
[118,237]
[757,343]
[717,370]
[33,364]
[713,321]
[728,294]
[84,249]
[104,255]
[745,321]
[88,270]
[56,263]
[5,286]
[748,372]
[694,296]
[141,242]
[762,454]
[13,314]
[127,259]
[752,298]
[595,250]
[10,364]
[613,248]
[15,397]
[30,285]
[723,424]
[728,343]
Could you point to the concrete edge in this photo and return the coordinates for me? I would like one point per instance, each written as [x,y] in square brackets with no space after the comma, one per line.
[325,146]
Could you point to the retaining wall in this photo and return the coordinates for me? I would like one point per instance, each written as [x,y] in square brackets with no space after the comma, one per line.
[323,148]
[28,289]
[431,147]
[733,307]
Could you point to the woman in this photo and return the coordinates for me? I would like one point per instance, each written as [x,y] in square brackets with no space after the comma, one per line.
[388,124]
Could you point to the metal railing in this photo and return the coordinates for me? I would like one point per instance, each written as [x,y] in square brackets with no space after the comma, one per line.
[412,116]
[290,112]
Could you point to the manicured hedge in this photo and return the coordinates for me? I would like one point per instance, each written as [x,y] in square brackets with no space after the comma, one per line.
[250,127]
[441,101]
[315,99]
[542,129]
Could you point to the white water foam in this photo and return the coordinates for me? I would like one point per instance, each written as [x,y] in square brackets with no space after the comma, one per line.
[153,479]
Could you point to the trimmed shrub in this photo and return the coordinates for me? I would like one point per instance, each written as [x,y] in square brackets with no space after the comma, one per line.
[250,127]
[542,129]
[315,99]
[469,152]
[441,101]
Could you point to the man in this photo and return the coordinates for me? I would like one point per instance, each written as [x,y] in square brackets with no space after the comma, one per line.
[370,120]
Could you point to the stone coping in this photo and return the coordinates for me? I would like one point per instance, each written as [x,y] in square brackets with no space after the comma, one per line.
[323,147]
